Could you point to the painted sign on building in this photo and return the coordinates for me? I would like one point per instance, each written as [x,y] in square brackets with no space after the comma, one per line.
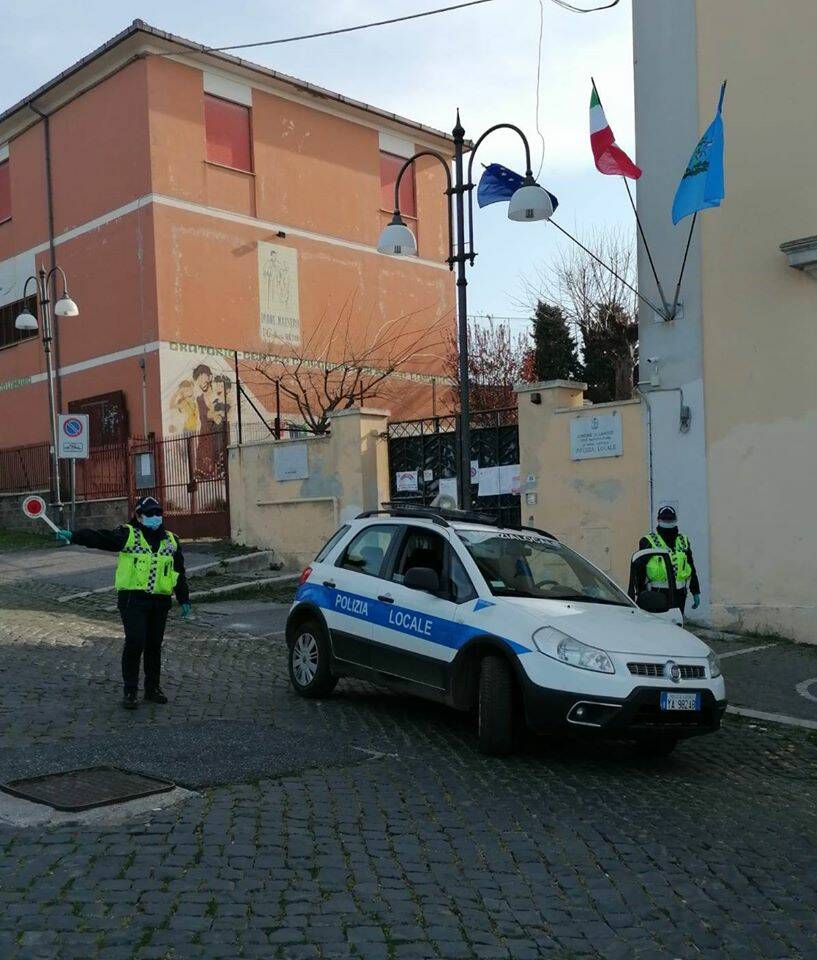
[597,435]
[278,300]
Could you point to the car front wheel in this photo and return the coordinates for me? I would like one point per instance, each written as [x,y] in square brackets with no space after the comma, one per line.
[495,707]
[309,661]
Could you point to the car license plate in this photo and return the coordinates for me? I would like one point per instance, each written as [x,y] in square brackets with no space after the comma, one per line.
[680,701]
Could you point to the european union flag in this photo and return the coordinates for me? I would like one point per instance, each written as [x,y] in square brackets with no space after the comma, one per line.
[702,183]
[499,183]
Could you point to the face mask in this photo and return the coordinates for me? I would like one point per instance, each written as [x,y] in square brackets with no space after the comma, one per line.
[152,523]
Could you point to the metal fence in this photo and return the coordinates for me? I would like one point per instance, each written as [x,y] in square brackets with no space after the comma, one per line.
[102,476]
[430,446]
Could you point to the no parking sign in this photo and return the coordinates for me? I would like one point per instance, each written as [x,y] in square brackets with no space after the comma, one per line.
[73,436]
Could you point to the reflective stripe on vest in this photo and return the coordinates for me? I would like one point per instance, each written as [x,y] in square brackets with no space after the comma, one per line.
[139,568]
[656,569]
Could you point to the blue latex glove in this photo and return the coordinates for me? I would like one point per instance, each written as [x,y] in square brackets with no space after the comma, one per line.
[696,601]
[63,536]
[186,610]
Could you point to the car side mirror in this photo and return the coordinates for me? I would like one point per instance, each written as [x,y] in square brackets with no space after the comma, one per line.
[653,601]
[422,578]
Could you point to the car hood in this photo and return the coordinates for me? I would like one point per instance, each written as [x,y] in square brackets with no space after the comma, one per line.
[617,629]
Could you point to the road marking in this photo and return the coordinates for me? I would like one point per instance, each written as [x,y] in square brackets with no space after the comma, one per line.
[773,718]
[803,689]
[739,653]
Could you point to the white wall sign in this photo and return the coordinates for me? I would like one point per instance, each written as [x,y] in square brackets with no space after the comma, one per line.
[291,461]
[598,435]
[278,301]
[72,436]
[406,481]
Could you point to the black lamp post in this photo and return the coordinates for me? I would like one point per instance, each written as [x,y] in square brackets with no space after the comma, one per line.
[529,203]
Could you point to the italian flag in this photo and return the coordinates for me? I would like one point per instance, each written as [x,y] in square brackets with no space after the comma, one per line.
[609,156]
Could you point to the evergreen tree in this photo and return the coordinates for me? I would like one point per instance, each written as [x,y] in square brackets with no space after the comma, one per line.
[554,354]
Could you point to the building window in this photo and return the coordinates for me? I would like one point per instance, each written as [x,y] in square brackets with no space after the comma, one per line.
[227,132]
[107,417]
[5,192]
[389,169]
[9,334]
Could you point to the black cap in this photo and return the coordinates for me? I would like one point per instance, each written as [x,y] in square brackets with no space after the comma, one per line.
[667,517]
[148,505]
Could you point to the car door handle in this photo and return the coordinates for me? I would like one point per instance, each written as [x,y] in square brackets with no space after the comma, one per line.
[329,583]
[386,598]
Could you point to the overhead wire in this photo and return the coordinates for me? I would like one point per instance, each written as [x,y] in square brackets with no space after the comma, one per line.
[339,30]
[576,9]
[538,84]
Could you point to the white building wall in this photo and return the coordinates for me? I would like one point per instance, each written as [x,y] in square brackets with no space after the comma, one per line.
[667,128]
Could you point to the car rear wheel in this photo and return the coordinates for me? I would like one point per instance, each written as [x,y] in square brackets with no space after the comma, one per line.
[495,707]
[657,746]
[309,661]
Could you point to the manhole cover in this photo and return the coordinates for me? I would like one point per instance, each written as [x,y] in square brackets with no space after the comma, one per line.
[84,789]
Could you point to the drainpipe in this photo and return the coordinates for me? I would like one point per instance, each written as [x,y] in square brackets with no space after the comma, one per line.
[51,248]
[646,400]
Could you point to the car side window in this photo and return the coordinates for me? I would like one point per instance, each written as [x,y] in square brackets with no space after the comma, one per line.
[460,588]
[326,549]
[367,551]
[421,548]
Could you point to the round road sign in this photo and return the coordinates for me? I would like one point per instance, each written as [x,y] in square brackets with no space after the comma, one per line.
[34,507]
[72,428]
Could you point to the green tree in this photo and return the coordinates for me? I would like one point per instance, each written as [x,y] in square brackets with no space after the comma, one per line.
[554,355]
[610,351]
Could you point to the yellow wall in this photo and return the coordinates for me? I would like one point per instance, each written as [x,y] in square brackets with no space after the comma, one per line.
[598,507]
[760,315]
[348,473]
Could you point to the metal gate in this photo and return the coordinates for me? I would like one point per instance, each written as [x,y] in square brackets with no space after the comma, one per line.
[430,447]
[188,475]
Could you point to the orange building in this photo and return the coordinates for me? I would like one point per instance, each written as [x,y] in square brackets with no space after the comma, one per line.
[202,207]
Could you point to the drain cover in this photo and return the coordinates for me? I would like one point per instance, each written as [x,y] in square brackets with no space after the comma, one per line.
[77,790]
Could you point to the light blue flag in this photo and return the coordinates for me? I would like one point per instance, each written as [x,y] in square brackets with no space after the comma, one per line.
[702,183]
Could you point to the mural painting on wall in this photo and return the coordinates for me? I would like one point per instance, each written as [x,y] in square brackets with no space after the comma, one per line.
[278,301]
[198,400]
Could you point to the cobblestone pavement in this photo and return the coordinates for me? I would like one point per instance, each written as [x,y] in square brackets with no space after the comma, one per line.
[368,825]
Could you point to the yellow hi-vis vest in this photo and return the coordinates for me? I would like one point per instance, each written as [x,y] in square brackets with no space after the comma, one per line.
[139,568]
[656,567]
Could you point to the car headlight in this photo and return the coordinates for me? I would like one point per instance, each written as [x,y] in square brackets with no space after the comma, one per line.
[567,649]
[714,664]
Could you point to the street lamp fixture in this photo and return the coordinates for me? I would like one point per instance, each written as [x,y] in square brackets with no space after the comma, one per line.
[529,203]
[64,307]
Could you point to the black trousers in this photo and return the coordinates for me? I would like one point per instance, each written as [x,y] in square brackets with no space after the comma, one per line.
[144,617]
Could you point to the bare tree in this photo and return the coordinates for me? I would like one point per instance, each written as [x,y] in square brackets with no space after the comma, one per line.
[598,302]
[497,360]
[347,361]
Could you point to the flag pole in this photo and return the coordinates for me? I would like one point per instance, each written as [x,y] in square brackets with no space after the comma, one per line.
[683,267]
[606,266]
[640,229]
[647,250]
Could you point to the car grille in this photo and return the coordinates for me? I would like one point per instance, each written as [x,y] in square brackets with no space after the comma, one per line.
[688,671]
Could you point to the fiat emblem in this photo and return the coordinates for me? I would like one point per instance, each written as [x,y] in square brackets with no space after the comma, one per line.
[672,670]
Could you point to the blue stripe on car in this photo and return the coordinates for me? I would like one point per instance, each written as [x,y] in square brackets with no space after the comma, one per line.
[413,623]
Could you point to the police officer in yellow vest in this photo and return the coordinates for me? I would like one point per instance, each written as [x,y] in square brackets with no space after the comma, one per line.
[667,537]
[150,569]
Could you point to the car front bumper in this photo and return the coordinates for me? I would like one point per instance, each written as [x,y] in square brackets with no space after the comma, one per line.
[638,716]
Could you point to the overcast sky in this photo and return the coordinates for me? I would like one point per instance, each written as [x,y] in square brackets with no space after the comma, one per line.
[481,59]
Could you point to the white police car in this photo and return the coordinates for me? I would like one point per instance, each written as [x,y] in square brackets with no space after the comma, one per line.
[509,621]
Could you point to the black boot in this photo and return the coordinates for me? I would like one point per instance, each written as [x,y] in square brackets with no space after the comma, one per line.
[130,701]
[155,695]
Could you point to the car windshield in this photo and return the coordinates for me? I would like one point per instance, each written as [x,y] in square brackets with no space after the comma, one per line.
[521,564]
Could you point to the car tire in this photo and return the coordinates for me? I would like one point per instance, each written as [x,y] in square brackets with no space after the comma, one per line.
[495,706]
[309,661]
[657,747]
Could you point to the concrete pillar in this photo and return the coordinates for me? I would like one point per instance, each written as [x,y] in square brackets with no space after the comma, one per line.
[360,453]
